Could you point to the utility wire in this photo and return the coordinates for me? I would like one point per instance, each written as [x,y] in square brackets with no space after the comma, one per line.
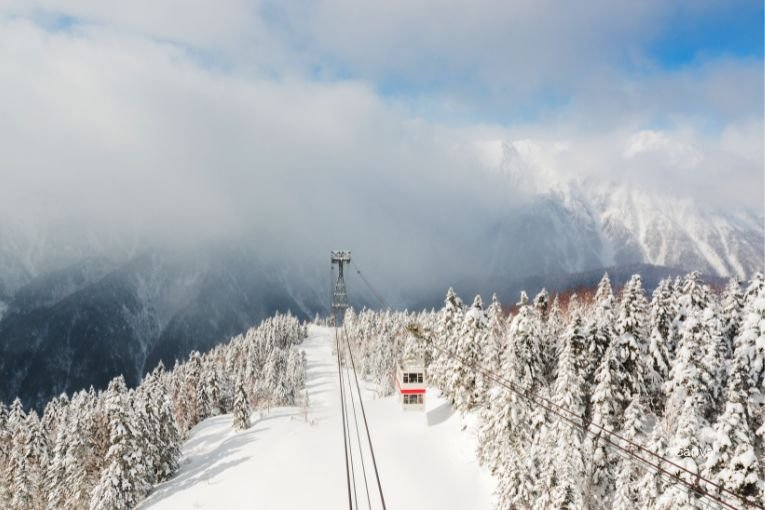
[350,449]
[366,423]
[369,285]
[358,441]
[584,425]
[345,433]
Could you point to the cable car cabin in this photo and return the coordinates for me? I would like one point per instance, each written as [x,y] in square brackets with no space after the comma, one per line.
[410,383]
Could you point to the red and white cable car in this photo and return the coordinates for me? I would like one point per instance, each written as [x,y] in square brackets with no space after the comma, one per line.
[410,383]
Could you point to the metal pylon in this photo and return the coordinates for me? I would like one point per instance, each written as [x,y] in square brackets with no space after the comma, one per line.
[339,295]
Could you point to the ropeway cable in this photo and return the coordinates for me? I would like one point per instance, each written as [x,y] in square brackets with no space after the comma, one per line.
[345,433]
[366,423]
[350,447]
[369,285]
[524,392]
[584,425]
[358,441]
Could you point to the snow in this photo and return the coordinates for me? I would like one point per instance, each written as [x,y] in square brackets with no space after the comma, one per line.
[425,459]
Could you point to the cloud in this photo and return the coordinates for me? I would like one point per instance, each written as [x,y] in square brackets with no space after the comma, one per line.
[272,120]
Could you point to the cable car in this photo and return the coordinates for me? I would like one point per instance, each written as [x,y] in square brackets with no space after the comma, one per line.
[410,383]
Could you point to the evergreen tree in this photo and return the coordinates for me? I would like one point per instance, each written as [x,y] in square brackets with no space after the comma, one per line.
[688,443]
[5,455]
[241,408]
[733,461]
[630,337]
[22,474]
[122,484]
[628,484]
[524,353]
[541,304]
[194,399]
[689,379]
[653,482]
[607,404]
[658,356]
[600,328]
[451,318]
[465,382]
[568,462]
[495,345]
[553,331]
[732,305]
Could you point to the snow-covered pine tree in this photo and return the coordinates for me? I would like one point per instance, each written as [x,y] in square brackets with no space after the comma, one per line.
[751,341]
[495,345]
[16,415]
[658,356]
[123,482]
[169,437]
[79,483]
[542,304]
[607,405]
[212,389]
[53,415]
[687,446]
[732,307]
[5,450]
[22,475]
[56,476]
[241,408]
[629,473]
[561,486]
[450,319]
[688,378]
[715,359]
[630,338]
[191,389]
[553,331]
[464,383]
[524,353]
[733,462]
[97,431]
[600,328]
[652,481]
[29,464]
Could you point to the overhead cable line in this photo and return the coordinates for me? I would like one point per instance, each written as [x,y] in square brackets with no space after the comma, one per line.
[345,433]
[583,424]
[366,423]
[358,441]
[369,285]
[585,427]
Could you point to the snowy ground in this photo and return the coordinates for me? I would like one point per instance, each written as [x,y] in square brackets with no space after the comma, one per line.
[425,460]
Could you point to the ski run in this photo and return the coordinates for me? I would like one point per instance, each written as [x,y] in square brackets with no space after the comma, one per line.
[285,462]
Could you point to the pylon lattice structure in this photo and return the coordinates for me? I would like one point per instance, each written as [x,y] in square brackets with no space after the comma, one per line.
[339,295]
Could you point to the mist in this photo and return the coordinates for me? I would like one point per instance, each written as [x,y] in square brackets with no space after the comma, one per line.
[154,134]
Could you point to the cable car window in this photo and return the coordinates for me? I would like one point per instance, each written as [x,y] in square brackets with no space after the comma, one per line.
[406,378]
[419,378]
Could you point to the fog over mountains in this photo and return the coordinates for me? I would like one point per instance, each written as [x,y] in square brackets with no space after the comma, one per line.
[76,310]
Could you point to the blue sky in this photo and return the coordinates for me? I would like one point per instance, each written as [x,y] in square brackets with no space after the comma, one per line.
[735,31]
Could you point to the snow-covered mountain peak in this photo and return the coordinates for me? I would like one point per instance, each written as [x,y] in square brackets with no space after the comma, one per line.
[593,222]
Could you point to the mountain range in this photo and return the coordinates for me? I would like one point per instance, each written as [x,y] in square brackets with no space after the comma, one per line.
[75,310]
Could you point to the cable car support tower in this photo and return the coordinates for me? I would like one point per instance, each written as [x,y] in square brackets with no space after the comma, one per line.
[339,295]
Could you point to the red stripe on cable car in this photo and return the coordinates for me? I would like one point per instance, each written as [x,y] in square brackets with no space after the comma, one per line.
[408,392]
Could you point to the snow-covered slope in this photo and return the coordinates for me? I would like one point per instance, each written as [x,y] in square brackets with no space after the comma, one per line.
[283,462]
[570,224]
